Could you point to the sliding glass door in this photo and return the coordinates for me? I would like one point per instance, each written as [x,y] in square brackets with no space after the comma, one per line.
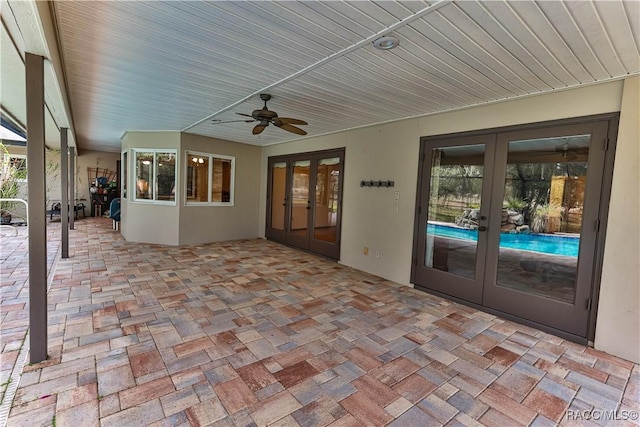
[509,221]
[304,198]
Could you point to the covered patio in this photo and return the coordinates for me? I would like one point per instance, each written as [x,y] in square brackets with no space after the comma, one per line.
[254,333]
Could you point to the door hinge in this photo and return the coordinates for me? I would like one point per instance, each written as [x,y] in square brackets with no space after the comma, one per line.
[424,156]
[419,210]
[589,304]
[606,144]
[596,226]
[415,261]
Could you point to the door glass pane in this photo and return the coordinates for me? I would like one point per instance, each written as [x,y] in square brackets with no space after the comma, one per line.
[326,207]
[278,194]
[300,197]
[542,216]
[454,209]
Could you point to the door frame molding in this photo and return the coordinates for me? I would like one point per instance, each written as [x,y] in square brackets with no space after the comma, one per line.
[603,211]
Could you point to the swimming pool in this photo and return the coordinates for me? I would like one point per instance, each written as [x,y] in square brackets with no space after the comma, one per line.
[543,243]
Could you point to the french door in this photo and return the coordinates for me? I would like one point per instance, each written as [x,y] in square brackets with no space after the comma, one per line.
[304,201]
[509,221]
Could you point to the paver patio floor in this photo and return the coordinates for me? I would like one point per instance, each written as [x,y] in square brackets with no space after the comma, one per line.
[255,333]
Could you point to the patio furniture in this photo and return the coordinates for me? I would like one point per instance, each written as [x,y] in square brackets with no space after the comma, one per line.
[56,209]
[114,212]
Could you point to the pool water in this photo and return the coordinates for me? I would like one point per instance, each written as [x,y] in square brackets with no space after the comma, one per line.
[542,243]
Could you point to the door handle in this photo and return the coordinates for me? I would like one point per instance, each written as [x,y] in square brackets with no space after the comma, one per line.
[482,228]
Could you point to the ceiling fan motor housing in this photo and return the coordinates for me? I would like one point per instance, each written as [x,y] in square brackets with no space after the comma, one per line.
[264,114]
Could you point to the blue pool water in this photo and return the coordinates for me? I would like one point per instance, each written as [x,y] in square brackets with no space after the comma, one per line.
[547,244]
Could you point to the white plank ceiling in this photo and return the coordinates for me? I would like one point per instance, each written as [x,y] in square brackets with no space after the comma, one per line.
[183,65]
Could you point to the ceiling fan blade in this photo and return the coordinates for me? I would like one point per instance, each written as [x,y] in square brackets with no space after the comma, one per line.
[290,121]
[258,129]
[291,128]
[218,122]
[246,115]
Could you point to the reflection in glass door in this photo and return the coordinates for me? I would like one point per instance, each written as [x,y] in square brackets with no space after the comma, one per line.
[454,169]
[300,203]
[542,213]
[452,224]
[278,196]
[506,221]
[326,207]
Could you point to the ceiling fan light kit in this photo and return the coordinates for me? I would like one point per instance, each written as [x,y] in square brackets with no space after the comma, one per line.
[265,117]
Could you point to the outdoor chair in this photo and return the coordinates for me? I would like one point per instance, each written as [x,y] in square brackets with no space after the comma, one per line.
[114,212]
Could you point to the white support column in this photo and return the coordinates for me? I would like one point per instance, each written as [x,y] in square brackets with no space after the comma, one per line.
[68,206]
[34,67]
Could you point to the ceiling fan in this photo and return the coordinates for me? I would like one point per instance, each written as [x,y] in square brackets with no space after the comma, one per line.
[566,151]
[265,117]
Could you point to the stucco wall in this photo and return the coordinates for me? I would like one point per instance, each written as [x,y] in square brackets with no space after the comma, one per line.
[391,151]
[200,224]
[180,224]
[618,325]
[149,222]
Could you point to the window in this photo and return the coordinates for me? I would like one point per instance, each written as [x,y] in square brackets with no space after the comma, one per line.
[155,175]
[210,179]
[125,169]
[166,177]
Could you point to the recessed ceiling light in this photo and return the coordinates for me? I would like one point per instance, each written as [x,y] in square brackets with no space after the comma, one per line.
[386,42]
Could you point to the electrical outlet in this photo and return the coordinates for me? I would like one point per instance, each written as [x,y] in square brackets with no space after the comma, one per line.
[377,254]
[365,250]
[396,195]
[395,208]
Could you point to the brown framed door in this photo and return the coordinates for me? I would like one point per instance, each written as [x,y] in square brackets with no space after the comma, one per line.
[300,196]
[455,191]
[327,201]
[277,214]
[304,201]
[541,266]
[510,220]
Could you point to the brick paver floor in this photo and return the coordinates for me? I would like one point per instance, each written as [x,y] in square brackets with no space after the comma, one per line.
[254,333]
[14,296]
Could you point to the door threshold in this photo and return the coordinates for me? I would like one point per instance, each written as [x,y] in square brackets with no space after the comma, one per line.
[303,250]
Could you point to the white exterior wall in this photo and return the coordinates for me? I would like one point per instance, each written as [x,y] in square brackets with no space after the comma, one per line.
[201,224]
[391,151]
[618,324]
[149,222]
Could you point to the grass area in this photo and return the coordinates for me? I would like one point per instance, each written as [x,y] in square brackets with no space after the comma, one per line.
[445,213]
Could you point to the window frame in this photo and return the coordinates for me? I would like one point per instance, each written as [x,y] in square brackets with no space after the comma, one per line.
[155,152]
[211,157]
[124,178]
